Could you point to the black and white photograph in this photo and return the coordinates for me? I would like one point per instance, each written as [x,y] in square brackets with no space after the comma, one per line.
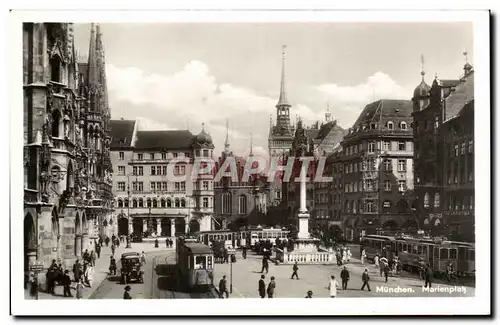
[248,157]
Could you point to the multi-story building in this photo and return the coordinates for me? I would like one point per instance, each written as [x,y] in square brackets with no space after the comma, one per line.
[148,200]
[238,201]
[444,156]
[67,171]
[378,169]
[281,136]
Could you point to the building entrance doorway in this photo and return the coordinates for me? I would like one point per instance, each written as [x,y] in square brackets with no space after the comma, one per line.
[122,226]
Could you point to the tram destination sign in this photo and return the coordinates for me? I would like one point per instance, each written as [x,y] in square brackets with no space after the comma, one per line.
[36,266]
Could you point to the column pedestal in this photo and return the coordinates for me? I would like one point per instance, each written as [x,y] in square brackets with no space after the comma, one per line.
[172,227]
[78,246]
[158,227]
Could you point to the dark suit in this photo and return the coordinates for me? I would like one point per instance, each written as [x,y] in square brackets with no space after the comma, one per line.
[344,275]
[262,288]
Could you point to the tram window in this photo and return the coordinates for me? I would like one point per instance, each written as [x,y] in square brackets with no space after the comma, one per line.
[472,255]
[453,253]
[443,254]
[419,250]
[436,252]
[209,262]
[461,253]
[199,262]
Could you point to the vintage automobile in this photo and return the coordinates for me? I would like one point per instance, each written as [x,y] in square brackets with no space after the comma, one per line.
[131,269]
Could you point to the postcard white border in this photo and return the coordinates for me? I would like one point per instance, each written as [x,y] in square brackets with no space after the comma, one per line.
[480,304]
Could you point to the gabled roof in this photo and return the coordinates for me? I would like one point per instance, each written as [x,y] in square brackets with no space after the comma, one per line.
[167,140]
[122,132]
[327,128]
[461,94]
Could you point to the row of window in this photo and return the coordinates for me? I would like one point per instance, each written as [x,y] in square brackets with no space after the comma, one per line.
[154,156]
[358,206]
[161,203]
[227,203]
[460,150]
[454,202]
[371,185]
[154,186]
[370,165]
[155,170]
[374,145]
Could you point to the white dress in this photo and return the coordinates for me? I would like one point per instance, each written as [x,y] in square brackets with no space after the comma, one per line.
[333,288]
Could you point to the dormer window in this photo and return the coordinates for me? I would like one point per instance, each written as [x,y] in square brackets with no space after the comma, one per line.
[403,125]
[390,125]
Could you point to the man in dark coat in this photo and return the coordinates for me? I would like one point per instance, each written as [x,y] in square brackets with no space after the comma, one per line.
[365,278]
[295,269]
[265,265]
[386,271]
[98,250]
[86,256]
[344,275]
[223,287]
[262,286]
[126,294]
[67,284]
[429,276]
[77,270]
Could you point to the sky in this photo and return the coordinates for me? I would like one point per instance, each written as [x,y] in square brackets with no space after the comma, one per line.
[180,75]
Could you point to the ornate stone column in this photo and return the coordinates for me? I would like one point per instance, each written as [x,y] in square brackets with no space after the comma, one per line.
[158,227]
[172,227]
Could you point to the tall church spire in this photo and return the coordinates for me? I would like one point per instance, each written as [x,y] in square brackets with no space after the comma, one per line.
[92,63]
[226,143]
[251,145]
[283,101]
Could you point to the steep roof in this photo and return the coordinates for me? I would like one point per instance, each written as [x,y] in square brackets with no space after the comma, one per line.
[461,94]
[385,110]
[121,133]
[327,128]
[157,140]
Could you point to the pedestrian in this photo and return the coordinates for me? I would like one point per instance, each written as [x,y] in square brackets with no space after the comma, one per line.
[344,275]
[223,287]
[429,276]
[365,278]
[126,294]
[349,254]
[79,289]
[112,266]
[226,256]
[295,268]
[143,258]
[344,255]
[156,242]
[265,265]
[244,253]
[386,271]
[77,270]
[332,286]
[86,256]
[33,285]
[89,275]
[98,250]
[67,284]
[262,286]
[92,258]
[271,287]
[309,294]
[376,261]
[107,241]
[363,256]
[113,249]
[166,242]
[382,267]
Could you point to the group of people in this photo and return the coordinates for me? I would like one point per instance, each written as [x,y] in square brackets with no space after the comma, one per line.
[343,255]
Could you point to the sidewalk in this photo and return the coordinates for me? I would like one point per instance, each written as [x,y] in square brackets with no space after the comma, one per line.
[100,271]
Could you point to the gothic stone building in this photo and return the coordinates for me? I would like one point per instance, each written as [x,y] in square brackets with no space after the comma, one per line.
[147,201]
[67,171]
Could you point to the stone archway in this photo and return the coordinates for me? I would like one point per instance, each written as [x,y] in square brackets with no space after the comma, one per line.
[194,226]
[78,236]
[55,231]
[122,225]
[390,225]
[29,240]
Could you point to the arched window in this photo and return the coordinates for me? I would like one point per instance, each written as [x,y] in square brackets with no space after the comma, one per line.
[354,206]
[426,200]
[169,203]
[56,121]
[390,125]
[125,203]
[403,125]
[242,204]
[134,203]
[120,203]
[55,69]
[141,203]
[162,202]
[346,205]
[149,202]
[155,203]
[183,203]
[177,203]
[437,200]
[226,203]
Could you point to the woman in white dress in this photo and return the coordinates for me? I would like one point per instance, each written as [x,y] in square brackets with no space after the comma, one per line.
[89,275]
[332,286]
[375,260]
[363,256]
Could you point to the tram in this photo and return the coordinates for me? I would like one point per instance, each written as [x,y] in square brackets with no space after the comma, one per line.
[253,236]
[460,255]
[411,251]
[195,262]
[378,245]
[230,238]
